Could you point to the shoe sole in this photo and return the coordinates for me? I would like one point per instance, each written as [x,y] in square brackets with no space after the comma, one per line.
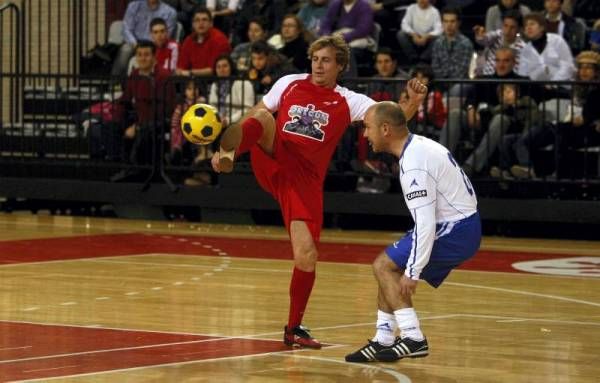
[420,354]
[298,345]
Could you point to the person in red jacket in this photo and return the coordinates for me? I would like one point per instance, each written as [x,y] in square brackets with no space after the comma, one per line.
[167,51]
[202,47]
[148,98]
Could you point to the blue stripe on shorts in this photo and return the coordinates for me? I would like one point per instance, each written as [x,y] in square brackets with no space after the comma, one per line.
[448,252]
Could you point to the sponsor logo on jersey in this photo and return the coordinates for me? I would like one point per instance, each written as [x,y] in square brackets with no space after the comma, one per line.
[306,121]
[414,183]
[416,194]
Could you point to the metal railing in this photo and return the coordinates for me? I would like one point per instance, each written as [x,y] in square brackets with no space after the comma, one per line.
[59,130]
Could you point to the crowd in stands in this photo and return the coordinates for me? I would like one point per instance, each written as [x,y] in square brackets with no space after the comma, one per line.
[247,45]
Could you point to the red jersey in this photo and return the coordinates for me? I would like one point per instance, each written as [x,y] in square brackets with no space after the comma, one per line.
[310,122]
[166,57]
[201,55]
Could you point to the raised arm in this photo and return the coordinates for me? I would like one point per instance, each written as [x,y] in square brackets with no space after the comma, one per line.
[416,94]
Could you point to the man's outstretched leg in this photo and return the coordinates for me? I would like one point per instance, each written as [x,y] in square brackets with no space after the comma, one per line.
[258,128]
[303,279]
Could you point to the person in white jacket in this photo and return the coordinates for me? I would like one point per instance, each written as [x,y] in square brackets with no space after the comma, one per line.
[421,24]
[547,56]
[231,97]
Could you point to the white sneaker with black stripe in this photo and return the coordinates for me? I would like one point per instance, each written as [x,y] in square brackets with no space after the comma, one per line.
[403,348]
[366,353]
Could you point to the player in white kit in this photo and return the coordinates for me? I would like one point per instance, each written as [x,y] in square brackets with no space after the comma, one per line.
[447,232]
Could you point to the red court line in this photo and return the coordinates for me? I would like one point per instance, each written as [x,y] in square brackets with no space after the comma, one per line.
[91,246]
[36,351]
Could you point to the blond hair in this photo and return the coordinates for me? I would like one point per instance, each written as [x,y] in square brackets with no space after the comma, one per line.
[342,50]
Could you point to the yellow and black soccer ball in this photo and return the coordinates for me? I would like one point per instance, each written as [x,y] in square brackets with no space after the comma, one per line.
[201,124]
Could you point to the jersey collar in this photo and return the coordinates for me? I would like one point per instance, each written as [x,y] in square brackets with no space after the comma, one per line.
[408,140]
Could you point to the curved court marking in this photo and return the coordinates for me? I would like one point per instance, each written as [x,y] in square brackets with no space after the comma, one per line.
[522,292]
[400,378]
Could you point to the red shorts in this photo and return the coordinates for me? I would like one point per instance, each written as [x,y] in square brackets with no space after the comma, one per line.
[300,198]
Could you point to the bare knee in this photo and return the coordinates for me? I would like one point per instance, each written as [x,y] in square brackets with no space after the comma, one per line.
[382,265]
[264,117]
[305,257]
[268,123]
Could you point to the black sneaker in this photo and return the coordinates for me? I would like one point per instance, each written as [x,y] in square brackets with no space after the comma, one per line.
[366,353]
[403,348]
[300,337]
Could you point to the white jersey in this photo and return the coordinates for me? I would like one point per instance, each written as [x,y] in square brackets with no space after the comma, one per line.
[437,193]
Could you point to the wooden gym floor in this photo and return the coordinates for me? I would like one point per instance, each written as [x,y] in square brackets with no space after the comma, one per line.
[101,300]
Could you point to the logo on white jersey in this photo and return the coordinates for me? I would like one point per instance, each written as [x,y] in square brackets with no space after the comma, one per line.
[306,121]
[414,183]
[416,194]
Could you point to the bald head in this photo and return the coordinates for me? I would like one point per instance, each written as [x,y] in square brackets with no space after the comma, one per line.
[390,112]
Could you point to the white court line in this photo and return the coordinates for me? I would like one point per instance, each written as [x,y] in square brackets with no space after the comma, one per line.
[52,368]
[14,348]
[523,292]
[519,319]
[111,350]
[400,378]
[227,358]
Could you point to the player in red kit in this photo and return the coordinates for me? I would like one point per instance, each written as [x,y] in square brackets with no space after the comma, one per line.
[290,156]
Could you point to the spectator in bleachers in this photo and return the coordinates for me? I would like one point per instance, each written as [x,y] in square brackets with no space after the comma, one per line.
[233,98]
[508,36]
[200,49]
[493,17]
[386,15]
[432,114]
[311,14]
[264,9]
[452,51]
[223,12]
[294,42]
[352,19]
[582,128]
[546,57]
[480,99]
[185,11]
[267,66]
[136,27]
[595,36]
[524,129]
[181,151]
[566,26]
[241,52]
[515,114]
[586,9]
[421,25]
[579,127]
[167,50]
[387,67]
[149,95]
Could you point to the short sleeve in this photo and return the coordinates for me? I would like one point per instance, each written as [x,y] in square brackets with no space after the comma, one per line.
[358,103]
[273,98]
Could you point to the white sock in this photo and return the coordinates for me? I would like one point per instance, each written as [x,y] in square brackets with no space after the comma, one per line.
[386,326]
[408,324]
